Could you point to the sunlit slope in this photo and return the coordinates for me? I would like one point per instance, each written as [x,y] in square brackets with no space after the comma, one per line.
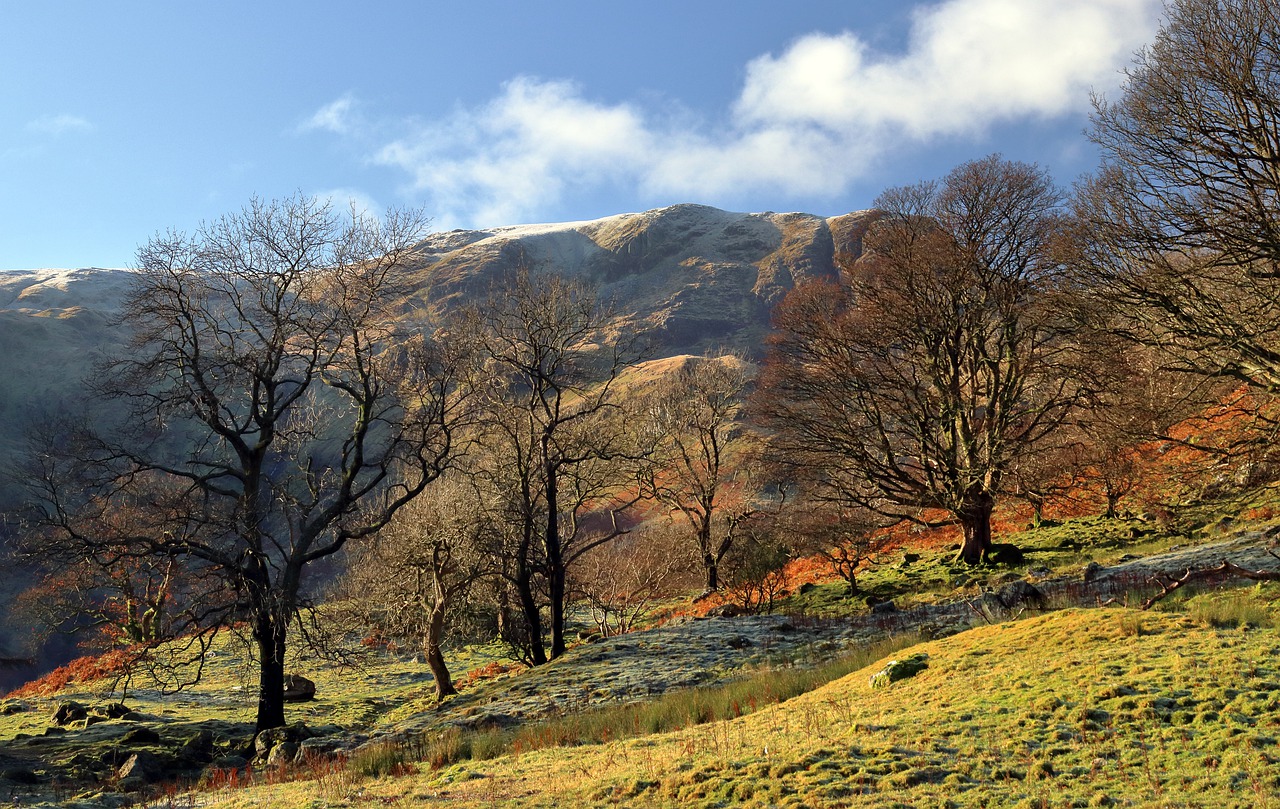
[1076,708]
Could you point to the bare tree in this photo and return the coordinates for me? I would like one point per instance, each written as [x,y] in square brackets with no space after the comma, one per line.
[552,433]
[919,383]
[405,581]
[623,581]
[268,388]
[849,540]
[1183,217]
[703,452]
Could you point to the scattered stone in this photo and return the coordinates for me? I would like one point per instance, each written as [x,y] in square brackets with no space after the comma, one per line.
[12,706]
[199,747]
[319,748]
[228,763]
[1005,553]
[726,611]
[910,558]
[1092,572]
[282,754]
[883,608]
[111,710]
[68,712]
[487,721]
[19,775]
[269,738]
[1021,593]
[140,736]
[143,766]
[900,670]
[298,688]
[739,642]
[133,783]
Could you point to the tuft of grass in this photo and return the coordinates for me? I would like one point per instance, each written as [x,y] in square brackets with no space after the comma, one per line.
[1237,609]
[378,760]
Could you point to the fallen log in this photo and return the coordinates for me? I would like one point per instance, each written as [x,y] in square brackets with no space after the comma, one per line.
[1224,570]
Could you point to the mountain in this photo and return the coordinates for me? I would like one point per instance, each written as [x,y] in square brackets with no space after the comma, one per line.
[684,278]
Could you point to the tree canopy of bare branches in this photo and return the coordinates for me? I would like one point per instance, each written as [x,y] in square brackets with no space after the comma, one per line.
[553,436]
[941,361]
[702,449]
[269,397]
[404,582]
[1183,216]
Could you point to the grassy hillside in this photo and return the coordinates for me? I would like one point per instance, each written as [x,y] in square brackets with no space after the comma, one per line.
[1096,707]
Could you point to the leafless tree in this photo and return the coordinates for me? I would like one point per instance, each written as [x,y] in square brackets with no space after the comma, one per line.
[917,384]
[1183,216]
[703,452]
[756,566]
[623,581]
[270,391]
[404,582]
[552,435]
[848,539]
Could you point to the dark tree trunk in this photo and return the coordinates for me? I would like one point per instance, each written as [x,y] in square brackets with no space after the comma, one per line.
[557,587]
[555,557]
[1113,504]
[711,556]
[269,633]
[532,615]
[713,572]
[975,520]
[435,657]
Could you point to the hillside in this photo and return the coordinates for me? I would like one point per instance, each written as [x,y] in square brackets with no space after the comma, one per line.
[684,278]
[681,279]
[1077,706]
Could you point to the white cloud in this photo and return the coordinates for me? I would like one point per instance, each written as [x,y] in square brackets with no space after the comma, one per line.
[337,116]
[521,150]
[59,124]
[809,120]
[342,200]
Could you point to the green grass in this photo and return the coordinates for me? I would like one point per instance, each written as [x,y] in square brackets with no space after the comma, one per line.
[1082,707]
[673,711]
[1071,708]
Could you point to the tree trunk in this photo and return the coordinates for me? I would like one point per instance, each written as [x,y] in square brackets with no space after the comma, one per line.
[975,520]
[1113,504]
[710,559]
[555,556]
[435,657]
[1037,510]
[557,588]
[269,632]
[532,615]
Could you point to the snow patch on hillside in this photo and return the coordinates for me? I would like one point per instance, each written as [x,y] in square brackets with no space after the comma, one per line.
[52,291]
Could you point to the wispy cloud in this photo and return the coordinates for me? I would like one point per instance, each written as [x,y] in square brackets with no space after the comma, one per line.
[338,116]
[350,199]
[58,124]
[808,120]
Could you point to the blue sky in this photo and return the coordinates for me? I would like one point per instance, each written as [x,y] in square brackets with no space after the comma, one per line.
[119,120]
